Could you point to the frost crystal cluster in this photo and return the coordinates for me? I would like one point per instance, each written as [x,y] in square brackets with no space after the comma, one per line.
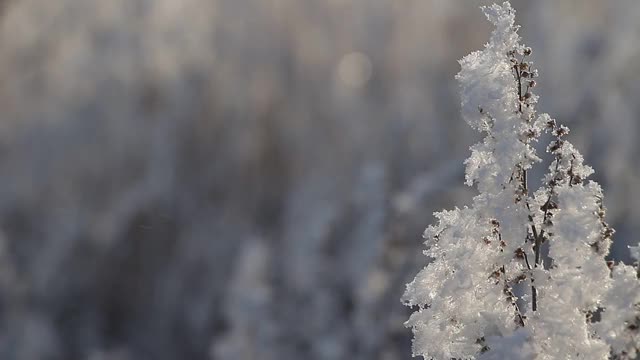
[521,274]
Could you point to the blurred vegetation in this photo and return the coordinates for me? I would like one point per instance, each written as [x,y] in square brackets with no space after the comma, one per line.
[241,179]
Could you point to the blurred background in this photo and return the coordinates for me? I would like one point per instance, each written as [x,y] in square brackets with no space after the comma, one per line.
[249,179]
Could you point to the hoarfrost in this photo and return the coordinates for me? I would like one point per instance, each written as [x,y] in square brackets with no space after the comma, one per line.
[520,274]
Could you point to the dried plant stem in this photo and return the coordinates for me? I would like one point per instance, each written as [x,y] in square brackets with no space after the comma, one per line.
[537,236]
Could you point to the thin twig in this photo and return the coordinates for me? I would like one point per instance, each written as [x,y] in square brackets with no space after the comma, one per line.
[537,236]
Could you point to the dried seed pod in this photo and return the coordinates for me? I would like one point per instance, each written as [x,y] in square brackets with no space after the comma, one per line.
[555,146]
[561,131]
[530,134]
[576,180]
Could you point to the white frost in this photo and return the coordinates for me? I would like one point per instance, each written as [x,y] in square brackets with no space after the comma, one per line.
[476,299]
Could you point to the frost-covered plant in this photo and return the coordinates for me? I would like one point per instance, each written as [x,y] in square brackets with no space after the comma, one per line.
[521,274]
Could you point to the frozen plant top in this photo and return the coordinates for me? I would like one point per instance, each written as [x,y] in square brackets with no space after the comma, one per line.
[520,273]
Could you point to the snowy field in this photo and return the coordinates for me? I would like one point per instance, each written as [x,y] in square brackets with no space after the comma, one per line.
[250,179]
